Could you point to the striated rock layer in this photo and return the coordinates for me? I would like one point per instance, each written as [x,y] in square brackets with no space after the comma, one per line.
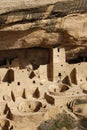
[51,23]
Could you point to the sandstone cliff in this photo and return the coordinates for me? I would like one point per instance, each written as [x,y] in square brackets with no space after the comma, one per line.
[32,23]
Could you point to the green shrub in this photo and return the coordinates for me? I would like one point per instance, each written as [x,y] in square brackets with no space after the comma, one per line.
[62,120]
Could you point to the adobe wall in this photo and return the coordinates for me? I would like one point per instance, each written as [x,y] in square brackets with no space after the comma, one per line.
[42,64]
[63,71]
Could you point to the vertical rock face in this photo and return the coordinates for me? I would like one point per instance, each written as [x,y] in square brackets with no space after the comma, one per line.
[44,23]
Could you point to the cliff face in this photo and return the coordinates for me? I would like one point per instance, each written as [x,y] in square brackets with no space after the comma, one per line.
[51,23]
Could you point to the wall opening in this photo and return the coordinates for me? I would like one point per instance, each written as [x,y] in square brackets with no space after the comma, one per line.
[58,49]
[73,76]
[34,82]
[18,83]
[66,81]
[59,74]
[9,77]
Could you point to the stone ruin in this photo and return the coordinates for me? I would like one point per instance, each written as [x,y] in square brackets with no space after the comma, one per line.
[34,80]
[43,62]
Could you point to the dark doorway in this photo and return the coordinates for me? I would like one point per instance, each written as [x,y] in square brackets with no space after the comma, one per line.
[9,77]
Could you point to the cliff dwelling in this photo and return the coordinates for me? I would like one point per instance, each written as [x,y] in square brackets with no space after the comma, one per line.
[29,70]
[43,65]
[35,78]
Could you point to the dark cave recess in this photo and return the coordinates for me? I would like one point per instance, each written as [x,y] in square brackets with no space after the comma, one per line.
[36,56]
[79,59]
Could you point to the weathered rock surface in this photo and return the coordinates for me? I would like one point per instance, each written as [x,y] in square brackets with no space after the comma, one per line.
[31,23]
